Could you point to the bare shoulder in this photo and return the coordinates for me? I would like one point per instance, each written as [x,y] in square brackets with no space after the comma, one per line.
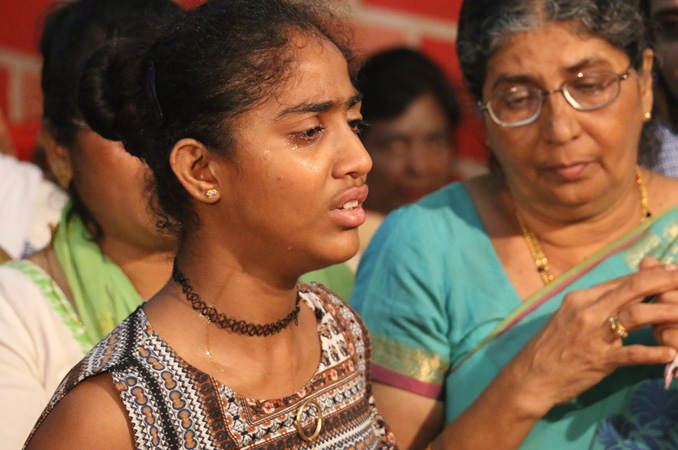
[92,415]
[662,192]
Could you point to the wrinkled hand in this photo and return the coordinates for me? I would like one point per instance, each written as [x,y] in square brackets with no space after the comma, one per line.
[666,333]
[576,348]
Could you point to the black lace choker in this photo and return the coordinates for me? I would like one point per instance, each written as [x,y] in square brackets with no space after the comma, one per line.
[237,326]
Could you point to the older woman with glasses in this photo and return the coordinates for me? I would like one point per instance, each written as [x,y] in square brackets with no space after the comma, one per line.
[535,307]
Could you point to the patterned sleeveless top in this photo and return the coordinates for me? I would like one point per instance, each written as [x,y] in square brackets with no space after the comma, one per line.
[173,405]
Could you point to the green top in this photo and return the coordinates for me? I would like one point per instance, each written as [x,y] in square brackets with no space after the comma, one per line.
[338,278]
[102,293]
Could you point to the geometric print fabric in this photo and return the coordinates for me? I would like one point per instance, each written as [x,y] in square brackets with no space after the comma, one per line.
[173,405]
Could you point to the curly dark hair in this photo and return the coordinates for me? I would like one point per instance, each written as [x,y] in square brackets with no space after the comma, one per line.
[72,31]
[219,60]
[484,24]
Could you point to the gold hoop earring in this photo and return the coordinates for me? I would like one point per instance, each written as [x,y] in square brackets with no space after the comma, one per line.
[211,193]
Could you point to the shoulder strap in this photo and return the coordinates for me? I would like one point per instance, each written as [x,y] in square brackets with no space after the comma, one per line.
[57,300]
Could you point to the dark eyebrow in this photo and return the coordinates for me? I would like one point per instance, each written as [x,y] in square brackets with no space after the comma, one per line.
[582,65]
[573,69]
[357,98]
[513,79]
[315,107]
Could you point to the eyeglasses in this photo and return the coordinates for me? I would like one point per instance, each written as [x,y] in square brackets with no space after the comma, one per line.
[586,91]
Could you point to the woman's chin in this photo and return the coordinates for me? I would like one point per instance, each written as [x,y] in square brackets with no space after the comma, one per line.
[339,254]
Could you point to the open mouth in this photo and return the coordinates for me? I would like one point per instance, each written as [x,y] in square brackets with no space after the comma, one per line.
[348,206]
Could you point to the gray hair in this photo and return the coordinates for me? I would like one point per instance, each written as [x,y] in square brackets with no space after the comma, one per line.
[484,24]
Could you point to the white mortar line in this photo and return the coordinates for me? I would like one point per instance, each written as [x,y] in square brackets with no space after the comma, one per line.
[15,98]
[18,64]
[409,23]
[20,60]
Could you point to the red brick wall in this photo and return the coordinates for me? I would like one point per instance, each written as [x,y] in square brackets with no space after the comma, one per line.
[429,25]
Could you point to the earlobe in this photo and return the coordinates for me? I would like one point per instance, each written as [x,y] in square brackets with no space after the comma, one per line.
[646,81]
[191,163]
[58,157]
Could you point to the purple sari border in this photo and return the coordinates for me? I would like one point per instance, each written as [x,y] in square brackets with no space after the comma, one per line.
[571,279]
[395,379]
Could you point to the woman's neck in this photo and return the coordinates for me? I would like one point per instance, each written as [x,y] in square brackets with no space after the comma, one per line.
[594,224]
[147,269]
[250,294]
[565,243]
[256,366]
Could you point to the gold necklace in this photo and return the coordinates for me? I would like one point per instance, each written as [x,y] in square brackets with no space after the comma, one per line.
[538,255]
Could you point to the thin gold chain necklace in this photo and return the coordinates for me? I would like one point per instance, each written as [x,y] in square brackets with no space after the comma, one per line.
[533,244]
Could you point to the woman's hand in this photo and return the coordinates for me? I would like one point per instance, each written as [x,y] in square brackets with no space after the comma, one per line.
[577,347]
[666,333]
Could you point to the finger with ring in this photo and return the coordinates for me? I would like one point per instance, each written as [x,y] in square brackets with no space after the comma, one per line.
[617,328]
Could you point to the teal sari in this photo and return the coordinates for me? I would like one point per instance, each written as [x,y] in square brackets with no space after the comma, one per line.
[445,320]
[628,409]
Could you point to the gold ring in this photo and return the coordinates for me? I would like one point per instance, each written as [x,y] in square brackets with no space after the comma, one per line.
[617,328]
[318,424]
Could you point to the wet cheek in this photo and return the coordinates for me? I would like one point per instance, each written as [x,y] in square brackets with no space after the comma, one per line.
[310,166]
[281,180]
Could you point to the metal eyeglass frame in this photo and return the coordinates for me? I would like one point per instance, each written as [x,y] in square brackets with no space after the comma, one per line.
[545,93]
